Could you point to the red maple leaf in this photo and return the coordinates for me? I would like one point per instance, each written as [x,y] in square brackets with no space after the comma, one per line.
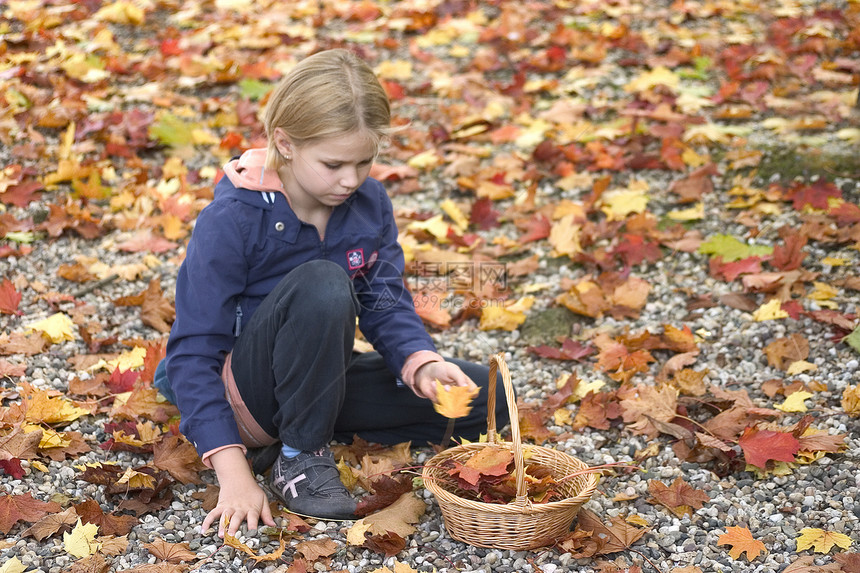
[22,194]
[483,215]
[759,446]
[15,508]
[570,350]
[789,256]
[845,214]
[731,271]
[120,381]
[12,467]
[9,298]
[633,249]
[815,195]
[386,490]
[697,184]
[537,228]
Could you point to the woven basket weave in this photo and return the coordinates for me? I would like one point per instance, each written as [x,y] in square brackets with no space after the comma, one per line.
[520,524]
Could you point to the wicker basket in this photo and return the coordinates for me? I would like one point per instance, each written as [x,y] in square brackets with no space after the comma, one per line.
[519,524]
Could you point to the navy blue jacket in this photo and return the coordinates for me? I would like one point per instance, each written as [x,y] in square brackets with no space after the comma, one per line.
[243,244]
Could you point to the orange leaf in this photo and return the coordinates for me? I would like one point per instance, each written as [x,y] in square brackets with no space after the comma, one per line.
[454,401]
[741,540]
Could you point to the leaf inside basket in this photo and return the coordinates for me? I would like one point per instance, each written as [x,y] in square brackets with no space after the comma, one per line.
[487,475]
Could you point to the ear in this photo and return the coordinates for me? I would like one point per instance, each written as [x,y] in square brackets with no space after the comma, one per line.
[282,142]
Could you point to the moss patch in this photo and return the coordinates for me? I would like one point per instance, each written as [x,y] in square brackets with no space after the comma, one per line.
[789,163]
[543,327]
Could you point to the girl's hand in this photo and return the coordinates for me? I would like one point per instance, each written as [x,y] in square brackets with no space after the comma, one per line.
[447,373]
[241,498]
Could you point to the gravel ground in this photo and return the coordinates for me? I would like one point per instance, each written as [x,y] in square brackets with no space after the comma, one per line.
[822,495]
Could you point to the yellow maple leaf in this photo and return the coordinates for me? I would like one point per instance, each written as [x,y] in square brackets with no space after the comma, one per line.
[583,388]
[452,210]
[13,565]
[794,402]
[500,318]
[50,438]
[435,226]
[57,327]
[454,401]
[42,408]
[851,401]
[660,75]
[121,13]
[564,237]
[821,541]
[771,310]
[800,366]
[424,160]
[128,360]
[347,477]
[693,213]
[136,479]
[355,534]
[81,541]
[395,70]
[619,203]
[562,417]
[637,520]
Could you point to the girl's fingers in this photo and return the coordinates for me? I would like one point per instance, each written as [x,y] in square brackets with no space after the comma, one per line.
[210,519]
[252,518]
[267,514]
[235,521]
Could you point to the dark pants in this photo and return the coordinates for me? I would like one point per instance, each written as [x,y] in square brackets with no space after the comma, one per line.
[296,372]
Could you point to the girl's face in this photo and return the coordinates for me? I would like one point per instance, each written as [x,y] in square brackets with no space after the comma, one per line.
[325,173]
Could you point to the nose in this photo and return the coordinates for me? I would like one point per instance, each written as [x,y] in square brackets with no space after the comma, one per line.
[349,178]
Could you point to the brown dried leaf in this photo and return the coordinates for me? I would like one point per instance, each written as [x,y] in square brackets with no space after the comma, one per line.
[171,552]
[52,524]
[155,310]
[94,563]
[680,498]
[20,444]
[109,524]
[316,548]
[174,454]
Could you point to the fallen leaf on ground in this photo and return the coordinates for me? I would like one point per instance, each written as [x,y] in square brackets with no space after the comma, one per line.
[821,541]
[742,541]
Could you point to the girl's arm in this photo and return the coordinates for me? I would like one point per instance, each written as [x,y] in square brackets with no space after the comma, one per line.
[241,498]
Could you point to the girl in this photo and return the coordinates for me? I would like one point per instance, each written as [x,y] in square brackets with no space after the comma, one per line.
[296,244]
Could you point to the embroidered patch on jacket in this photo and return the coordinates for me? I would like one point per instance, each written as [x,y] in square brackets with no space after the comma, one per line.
[355,258]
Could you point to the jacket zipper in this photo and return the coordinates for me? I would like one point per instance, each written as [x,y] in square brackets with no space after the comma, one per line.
[238,328]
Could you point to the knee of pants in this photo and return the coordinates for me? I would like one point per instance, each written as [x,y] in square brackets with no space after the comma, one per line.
[327,289]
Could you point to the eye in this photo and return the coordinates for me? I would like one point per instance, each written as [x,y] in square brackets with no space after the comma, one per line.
[332,166]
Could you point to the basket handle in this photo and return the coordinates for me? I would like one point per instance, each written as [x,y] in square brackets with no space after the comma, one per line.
[498,364]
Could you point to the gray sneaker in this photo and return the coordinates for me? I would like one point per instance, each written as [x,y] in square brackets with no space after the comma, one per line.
[309,484]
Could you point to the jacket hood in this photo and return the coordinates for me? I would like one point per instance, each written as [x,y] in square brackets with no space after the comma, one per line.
[249,172]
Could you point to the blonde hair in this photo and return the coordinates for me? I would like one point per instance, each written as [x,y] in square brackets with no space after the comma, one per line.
[327,94]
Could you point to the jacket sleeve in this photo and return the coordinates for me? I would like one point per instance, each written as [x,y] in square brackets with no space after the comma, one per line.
[208,286]
[387,314]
